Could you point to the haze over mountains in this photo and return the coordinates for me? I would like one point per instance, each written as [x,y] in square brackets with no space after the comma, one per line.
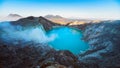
[11,17]
[54,18]
[62,20]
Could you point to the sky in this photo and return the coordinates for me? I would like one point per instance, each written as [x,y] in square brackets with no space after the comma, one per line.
[98,9]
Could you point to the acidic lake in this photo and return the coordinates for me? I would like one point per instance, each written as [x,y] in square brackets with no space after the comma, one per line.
[68,39]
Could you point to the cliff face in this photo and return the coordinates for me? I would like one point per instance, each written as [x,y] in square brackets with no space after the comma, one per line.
[103,39]
[47,24]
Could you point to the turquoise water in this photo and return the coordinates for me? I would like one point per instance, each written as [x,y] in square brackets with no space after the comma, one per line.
[67,38]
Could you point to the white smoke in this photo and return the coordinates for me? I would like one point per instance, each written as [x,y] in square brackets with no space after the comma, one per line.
[10,32]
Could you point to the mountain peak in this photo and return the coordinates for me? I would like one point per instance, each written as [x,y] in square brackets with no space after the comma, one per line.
[32,21]
[11,17]
[53,16]
[14,15]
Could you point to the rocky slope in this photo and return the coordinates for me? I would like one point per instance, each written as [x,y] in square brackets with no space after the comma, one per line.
[22,56]
[103,39]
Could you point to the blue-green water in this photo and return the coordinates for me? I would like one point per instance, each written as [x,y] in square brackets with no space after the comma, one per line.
[67,38]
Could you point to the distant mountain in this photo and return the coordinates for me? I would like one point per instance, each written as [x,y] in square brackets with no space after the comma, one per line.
[61,20]
[11,17]
[52,16]
[14,15]
[57,19]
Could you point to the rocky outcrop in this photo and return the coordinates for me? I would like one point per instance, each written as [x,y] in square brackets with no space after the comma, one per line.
[81,27]
[64,58]
[22,56]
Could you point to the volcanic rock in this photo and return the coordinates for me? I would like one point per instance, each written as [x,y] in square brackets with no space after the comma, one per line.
[103,39]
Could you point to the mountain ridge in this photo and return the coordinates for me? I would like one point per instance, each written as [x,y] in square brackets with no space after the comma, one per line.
[35,21]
